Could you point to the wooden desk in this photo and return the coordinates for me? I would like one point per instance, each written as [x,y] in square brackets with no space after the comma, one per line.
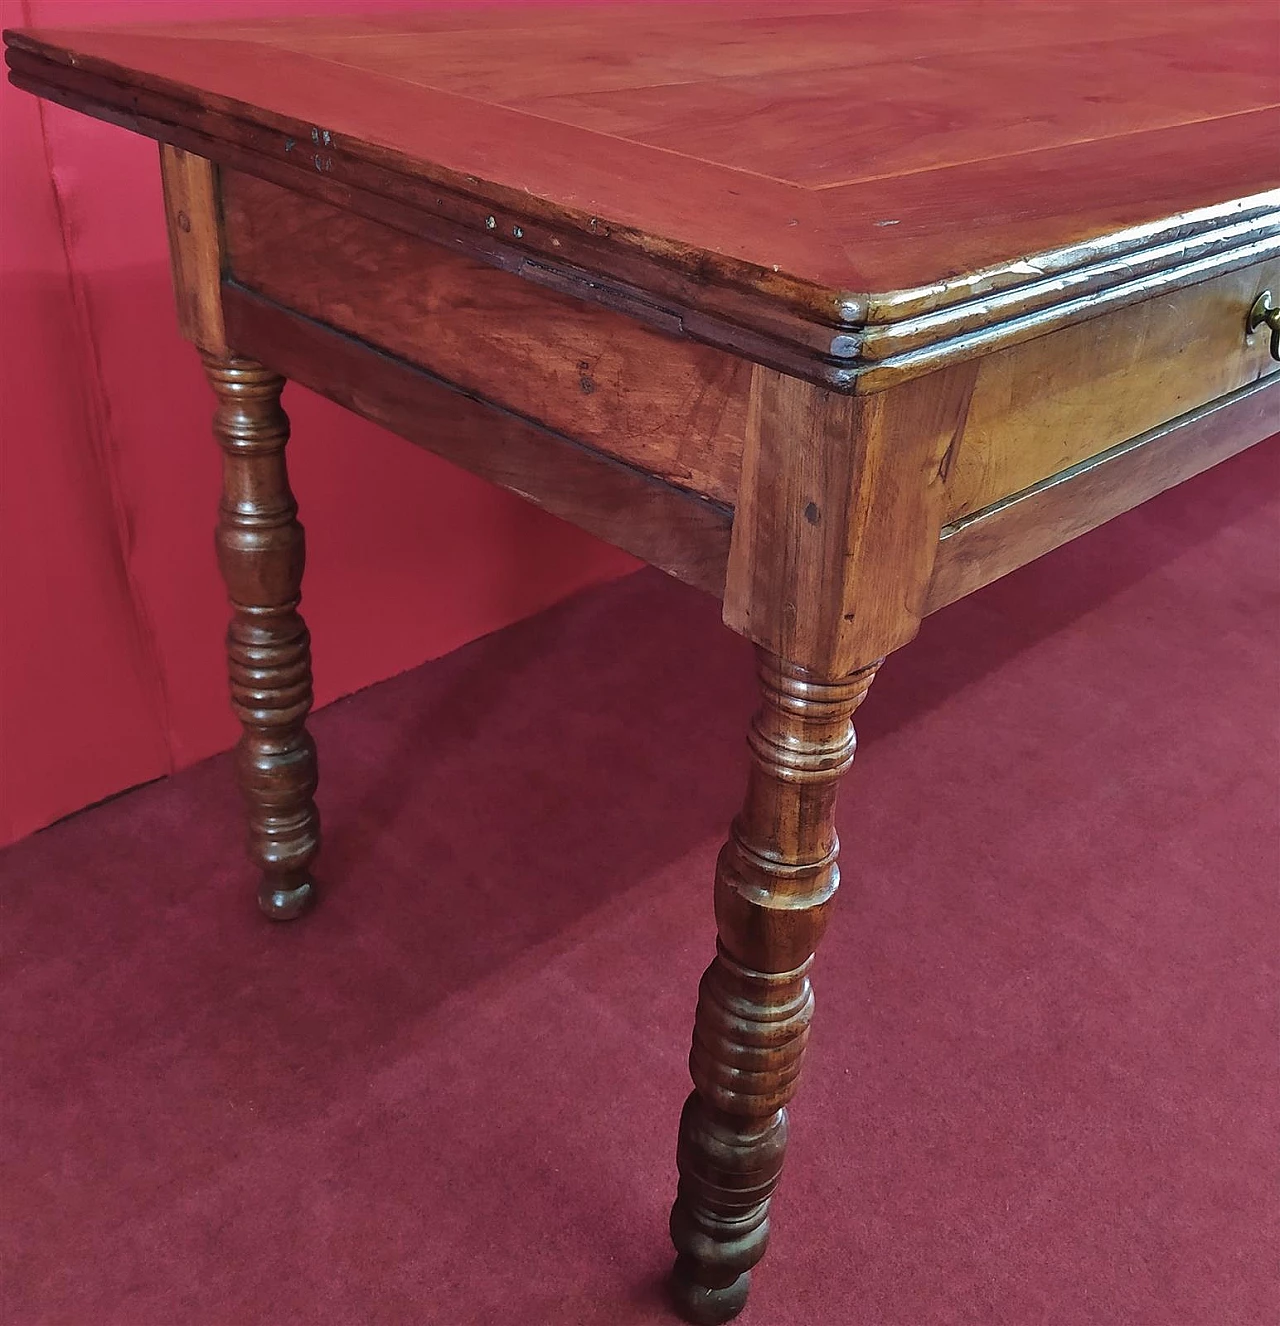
[838,310]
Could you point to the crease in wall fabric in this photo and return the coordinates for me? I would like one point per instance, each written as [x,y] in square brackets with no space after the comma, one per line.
[104,449]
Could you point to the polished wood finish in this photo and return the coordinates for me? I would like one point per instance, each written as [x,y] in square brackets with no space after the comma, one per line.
[261,553]
[776,879]
[659,402]
[838,311]
[866,195]
[1101,382]
[1006,535]
[839,509]
[685,535]
[192,219]
[1219,241]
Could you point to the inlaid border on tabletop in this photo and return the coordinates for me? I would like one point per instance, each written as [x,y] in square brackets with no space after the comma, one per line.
[824,283]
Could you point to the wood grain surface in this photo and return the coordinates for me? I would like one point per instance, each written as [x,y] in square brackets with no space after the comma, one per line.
[840,505]
[981,547]
[901,159]
[684,535]
[261,553]
[664,404]
[776,880]
[837,308]
[195,246]
[1041,407]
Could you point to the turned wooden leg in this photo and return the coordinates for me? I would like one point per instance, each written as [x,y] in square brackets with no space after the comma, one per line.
[261,554]
[775,881]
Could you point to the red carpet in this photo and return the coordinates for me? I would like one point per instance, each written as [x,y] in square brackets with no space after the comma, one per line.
[1043,1078]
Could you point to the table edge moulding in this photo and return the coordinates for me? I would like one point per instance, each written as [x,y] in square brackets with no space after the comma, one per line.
[845,339]
[792,396]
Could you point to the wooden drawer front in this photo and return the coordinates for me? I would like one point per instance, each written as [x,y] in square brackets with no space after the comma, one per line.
[664,404]
[1042,406]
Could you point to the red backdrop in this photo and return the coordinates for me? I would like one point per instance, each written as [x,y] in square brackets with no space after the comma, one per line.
[111,612]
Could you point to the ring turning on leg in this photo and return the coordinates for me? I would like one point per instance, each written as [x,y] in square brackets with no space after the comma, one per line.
[775,881]
[261,554]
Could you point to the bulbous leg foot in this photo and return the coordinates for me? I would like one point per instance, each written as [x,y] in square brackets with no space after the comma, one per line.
[283,904]
[701,1304]
[261,551]
[775,880]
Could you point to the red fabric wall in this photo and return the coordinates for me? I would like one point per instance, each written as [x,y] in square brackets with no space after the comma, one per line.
[111,611]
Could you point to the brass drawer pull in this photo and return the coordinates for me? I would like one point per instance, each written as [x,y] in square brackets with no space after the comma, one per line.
[1264,313]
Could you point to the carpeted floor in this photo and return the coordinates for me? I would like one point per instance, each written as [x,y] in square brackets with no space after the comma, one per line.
[1042,1085]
